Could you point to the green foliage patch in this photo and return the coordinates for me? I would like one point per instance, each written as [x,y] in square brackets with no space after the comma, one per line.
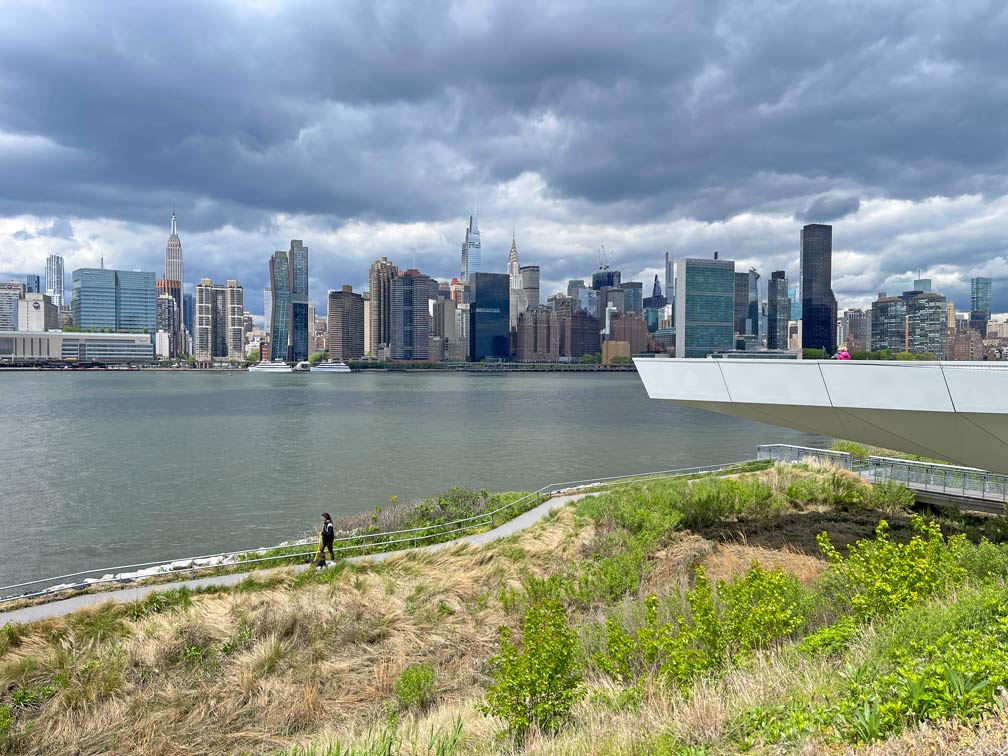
[881,577]
[535,685]
[757,610]
[414,690]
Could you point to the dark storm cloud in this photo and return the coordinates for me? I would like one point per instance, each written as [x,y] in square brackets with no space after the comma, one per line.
[828,209]
[628,113]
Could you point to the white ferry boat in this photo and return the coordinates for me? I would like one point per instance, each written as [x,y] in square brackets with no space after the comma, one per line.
[270,367]
[331,367]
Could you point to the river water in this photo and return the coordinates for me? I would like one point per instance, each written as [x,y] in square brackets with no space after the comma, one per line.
[107,468]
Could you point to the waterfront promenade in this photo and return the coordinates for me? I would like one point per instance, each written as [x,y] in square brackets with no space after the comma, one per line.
[127,595]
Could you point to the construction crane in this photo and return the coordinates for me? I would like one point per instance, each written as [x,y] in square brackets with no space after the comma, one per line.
[604,258]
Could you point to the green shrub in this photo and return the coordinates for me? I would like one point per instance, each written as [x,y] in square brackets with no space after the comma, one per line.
[780,724]
[880,577]
[830,640]
[984,561]
[647,511]
[706,502]
[607,579]
[414,689]
[6,721]
[621,658]
[755,500]
[857,451]
[758,609]
[762,607]
[890,497]
[536,686]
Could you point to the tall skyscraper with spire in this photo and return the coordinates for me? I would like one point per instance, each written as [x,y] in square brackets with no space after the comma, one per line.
[514,285]
[173,254]
[172,283]
[470,250]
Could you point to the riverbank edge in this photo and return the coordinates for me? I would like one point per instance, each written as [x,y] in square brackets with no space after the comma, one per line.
[60,607]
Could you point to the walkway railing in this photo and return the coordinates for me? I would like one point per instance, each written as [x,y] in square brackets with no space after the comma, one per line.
[790,454]
[968,482]
[954,480]
[346,545]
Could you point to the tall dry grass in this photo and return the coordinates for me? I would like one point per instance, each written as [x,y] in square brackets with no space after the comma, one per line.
[256,671]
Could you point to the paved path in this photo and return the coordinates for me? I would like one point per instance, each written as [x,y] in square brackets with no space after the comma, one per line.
[126,595]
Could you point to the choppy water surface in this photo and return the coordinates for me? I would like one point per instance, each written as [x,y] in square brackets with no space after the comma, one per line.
[105,468]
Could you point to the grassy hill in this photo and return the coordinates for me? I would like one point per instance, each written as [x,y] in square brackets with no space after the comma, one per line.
[674,617]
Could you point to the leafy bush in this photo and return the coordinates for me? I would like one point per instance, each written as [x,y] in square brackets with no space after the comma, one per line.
[857,451]
[607,579]
[830,640]
[6,720]
[763,606]
[756,610]
[984,561]
[415,687]
[890,497]
[880,577]
[706,502]
[536,686]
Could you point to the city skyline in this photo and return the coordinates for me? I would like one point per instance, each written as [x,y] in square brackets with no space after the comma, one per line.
[566,138]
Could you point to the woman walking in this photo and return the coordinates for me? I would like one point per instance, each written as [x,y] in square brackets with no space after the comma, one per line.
[326,538]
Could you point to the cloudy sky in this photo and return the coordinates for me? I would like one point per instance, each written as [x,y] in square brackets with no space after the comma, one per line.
[372,128]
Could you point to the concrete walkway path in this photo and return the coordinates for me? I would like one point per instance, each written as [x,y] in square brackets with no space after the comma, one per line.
[127,595]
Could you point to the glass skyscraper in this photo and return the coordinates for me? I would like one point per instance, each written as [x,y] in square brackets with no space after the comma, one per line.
[280,319]
[289,316]
[54,279]
[778,311]
[488,316]
[299,324]
[980,304]
[33,284]
[188,311]
[704,307]
[634,296]
[114,300]
[819,307]
[927,319]
[889,324]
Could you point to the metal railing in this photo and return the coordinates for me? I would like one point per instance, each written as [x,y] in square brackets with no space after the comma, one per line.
[346,545]
[790,454]
[967,482]
[954,480]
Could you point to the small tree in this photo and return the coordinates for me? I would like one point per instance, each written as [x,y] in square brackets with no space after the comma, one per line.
[537,685]
[317,357]
[253,355]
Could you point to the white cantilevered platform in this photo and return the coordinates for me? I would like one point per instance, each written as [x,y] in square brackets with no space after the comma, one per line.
[954,411]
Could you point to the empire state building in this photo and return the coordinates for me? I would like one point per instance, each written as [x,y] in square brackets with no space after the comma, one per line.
[171,285]
[173,255]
